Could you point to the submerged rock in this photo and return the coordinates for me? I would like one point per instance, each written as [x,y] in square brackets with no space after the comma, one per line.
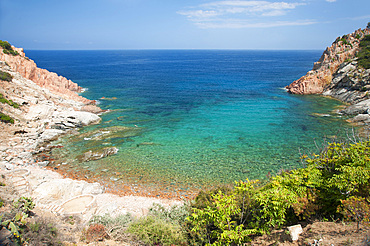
[98,154]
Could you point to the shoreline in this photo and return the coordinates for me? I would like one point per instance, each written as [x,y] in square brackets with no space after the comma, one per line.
[41,118]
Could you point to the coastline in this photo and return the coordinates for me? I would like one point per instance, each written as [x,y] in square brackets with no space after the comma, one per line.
[338,75]
[42,117]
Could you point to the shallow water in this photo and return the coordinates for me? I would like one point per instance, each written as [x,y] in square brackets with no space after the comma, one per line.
[193,118]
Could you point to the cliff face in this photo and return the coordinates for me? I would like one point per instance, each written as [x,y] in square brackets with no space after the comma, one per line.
[56,84]
[320,77]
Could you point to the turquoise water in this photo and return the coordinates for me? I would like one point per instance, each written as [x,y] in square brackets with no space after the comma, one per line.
[193,118]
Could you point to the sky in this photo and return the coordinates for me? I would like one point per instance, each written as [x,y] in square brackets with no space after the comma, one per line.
[179,24]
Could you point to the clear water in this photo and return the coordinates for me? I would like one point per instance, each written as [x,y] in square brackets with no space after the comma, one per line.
[193,118]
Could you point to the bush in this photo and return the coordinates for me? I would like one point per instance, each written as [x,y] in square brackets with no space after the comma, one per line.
[355,209]
[4,76]
[6,118]
[41,232]
[7,48]
[339,172]
[115,227]
[364,52]
[9,102]
[155,231]
[96,232]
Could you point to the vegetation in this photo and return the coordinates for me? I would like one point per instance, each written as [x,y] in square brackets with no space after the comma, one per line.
[334,183]
[154,231]
[7,48]
[24,232]
[4,76]
[160,227]
[6,118]
[8,101]
[364,53]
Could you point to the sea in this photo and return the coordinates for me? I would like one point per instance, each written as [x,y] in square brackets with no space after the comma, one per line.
[187,120]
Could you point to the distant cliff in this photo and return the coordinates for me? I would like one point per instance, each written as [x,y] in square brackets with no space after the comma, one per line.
[56,84]
[321,76]
[338,74]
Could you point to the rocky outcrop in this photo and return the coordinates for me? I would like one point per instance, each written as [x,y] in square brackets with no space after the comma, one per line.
[28,69]
[320,77]
[350,83]
[338,75]
[41,117]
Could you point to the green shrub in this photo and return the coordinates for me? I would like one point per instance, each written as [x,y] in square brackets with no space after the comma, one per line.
[24,204]
[7,48]
[340,171]
[4,76]
[9,102]
[364,52]
[6,118]
[175,214]
[155,231]
[344,41]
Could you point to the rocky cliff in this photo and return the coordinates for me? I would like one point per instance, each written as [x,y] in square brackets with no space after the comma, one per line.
[321,76]
[338,75]
[56,84]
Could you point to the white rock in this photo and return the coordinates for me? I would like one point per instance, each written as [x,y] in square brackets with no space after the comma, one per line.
[85,118]
[295,231]
[9,166]
[50,134]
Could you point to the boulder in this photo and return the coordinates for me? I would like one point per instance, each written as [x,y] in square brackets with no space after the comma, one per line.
[361,118]
[84,118]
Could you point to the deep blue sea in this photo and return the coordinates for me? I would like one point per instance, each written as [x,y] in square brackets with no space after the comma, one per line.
[186,119]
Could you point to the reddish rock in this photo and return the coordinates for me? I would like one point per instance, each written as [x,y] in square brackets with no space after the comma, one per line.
[58,85]
[320,76]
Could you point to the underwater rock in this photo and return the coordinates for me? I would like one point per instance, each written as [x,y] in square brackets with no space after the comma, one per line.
[96,155]
[147,144]
[113,132]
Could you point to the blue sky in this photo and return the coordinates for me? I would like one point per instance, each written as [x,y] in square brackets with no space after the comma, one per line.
[175,24]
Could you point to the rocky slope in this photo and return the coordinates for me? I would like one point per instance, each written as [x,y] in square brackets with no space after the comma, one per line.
[28,69]
[320,77]
[338,75]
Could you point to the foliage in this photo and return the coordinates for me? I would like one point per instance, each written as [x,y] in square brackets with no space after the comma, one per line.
[7,48]
[364,52]
[344,171]
[115,226]
[9,102]
[41,232]
[344,40]
[219,221]
[4,76]
[6,118]
[174,214]
[356,209]
[16,221]
[96,232]
[340,171]
[24,204]
[155,231]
